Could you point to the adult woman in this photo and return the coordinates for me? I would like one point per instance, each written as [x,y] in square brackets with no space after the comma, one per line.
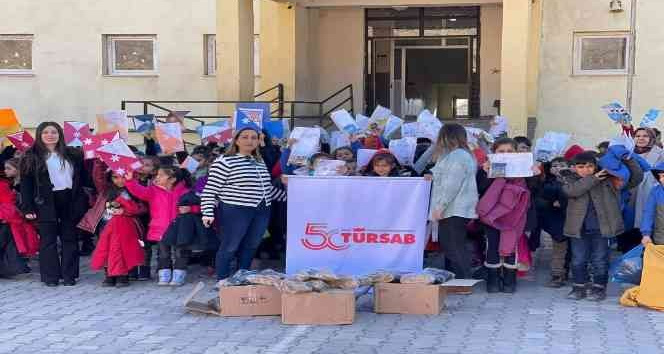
[241,181]
[454,195]
[645,146]
[52,180]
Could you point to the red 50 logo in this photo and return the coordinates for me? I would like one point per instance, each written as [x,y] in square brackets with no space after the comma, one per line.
[317,238]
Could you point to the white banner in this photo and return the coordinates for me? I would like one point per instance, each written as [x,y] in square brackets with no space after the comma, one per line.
[356,225]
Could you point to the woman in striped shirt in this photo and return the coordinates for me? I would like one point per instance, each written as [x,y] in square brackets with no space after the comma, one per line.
[241,182]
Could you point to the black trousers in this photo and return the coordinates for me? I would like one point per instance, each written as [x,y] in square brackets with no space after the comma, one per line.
[166,253]
[57,264]
[452,237]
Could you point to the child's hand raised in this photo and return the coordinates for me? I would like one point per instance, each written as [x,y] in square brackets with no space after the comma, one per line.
[602,175]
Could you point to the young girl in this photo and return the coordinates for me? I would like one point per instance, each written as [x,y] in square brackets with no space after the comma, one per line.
[346,153]
[23,233]
[145,175]
[383,164]
[119,249]
[504,228]
[162,196]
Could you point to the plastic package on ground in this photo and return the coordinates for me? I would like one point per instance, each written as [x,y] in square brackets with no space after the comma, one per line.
[318,285]
[290,286]
[346,283]
[380,276]
[315,274]
[319,280]
[629,267]
[427,276]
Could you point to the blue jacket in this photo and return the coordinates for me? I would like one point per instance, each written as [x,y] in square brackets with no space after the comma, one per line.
[652,220]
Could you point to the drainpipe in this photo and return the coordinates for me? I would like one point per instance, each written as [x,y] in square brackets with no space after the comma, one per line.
[632,55]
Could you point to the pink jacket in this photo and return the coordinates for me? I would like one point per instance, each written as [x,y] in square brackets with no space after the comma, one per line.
[163,205]
[504,207]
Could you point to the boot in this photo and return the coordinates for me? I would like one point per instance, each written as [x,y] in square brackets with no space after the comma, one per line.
[578,292]
[164,276]
[108,281]
[509,280]
[492,281]
[143,273]
[179,276]
[133,274]
[597,293]
[122,281]
[557,281]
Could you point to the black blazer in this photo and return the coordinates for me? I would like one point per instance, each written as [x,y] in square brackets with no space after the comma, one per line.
[46,212]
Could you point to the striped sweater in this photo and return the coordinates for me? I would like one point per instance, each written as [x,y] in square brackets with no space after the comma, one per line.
[238,180]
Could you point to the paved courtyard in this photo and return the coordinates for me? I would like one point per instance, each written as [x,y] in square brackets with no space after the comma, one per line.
[145,318]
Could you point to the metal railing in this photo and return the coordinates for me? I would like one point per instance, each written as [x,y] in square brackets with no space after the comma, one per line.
[301,112]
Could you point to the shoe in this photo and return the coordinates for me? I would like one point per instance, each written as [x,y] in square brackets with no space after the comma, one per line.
[492,281]
[164,276]
[577,293]
[597,293]
[69,282]
[509,280]
[87,247]
[556,282]
[51,284]
[143,273]
[108,282]
[123,281]
[179,276]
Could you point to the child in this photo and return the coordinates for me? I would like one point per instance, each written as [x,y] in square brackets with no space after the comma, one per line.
[505,221]
[523,144]
[551,204]
[383,164]
[23,233]
[119,249]
[593,215]
[652,227]
[145,175]
[162,196]
[184,233]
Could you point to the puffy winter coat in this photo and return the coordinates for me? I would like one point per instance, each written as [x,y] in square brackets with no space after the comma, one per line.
[162,203]
[24,233]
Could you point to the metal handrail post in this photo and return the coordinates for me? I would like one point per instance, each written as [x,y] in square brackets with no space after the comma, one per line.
[280,97]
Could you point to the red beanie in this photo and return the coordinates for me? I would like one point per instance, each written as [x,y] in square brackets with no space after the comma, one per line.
[573,151]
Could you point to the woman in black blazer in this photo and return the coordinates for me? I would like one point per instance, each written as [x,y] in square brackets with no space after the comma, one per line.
[52,180]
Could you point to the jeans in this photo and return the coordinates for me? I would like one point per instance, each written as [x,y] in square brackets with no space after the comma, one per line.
[452,237]
[593,250]
[241,232]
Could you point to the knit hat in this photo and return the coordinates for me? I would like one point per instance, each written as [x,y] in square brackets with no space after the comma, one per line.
[573,151]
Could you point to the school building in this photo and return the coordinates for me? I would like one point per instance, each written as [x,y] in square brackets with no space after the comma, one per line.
[545,64]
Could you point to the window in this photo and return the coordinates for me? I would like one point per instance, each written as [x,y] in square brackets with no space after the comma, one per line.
[16,54]
[210,54]
[131,55]
[257,55]
[601,53]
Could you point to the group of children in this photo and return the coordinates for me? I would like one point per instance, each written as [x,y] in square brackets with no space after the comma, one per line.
[579,199]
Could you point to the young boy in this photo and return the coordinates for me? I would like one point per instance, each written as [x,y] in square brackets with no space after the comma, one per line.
[652,222]
[593,215]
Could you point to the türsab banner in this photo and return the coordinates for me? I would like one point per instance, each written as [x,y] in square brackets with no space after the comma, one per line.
[356,225]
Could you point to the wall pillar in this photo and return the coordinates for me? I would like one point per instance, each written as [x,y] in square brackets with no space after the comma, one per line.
[514,64]
[235,52]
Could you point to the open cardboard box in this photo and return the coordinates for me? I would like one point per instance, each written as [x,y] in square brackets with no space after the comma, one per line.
[411,299]
[333,307]
[460,286]
[248,300]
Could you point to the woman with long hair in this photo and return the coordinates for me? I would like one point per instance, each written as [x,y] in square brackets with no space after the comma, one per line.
[240,182]
[454,195]
[52,180]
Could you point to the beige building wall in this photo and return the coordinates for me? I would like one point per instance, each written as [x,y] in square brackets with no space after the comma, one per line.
[572,103]
[649,79]
[491,25]
[67,55]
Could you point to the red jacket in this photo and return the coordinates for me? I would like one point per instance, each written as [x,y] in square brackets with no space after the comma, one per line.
[504,207]
[163,205]
[118,248]
[24,233]
[92,217]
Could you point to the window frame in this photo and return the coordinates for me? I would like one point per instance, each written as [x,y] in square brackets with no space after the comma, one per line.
[20,72]
[111,39]
[577,53]
[210,54]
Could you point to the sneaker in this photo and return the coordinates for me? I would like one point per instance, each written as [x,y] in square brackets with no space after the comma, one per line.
[164,276]
[597,293]
[108,282]
[577,293]
[179,276]
[122,282]
[556,282]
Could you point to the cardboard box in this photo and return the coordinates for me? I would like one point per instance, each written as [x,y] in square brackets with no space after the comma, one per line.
[334,307]
[412,299]
[211,307]
[461,286]
[250,300]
